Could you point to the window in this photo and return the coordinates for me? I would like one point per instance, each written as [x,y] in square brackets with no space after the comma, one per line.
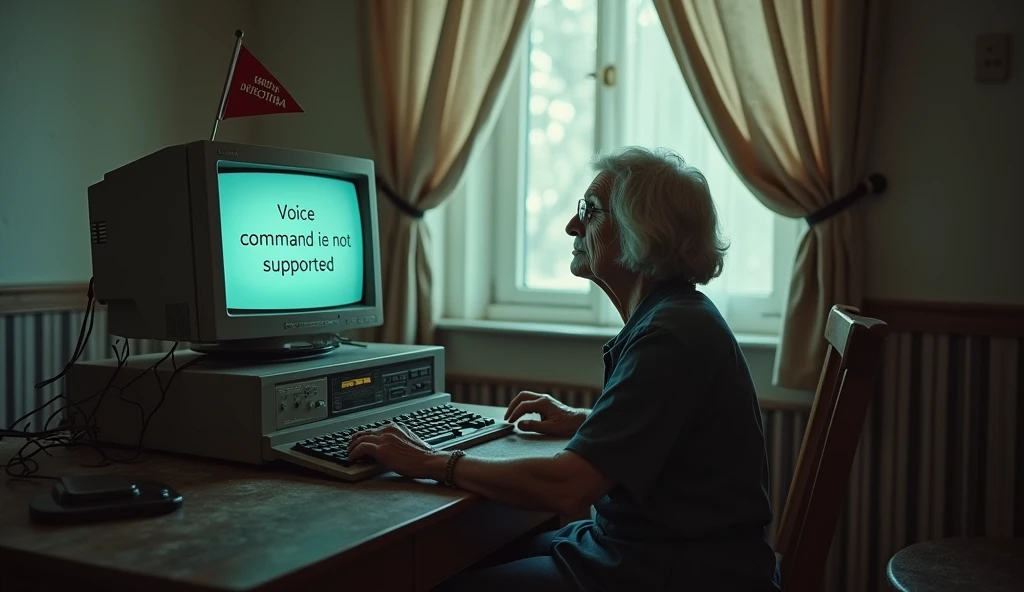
[596,75]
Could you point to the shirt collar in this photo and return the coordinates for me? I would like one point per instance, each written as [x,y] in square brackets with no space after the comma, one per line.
[659,292]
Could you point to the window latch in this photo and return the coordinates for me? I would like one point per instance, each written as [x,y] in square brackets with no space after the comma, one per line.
[606,75]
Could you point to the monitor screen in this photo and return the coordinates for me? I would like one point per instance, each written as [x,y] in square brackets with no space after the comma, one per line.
[291,241]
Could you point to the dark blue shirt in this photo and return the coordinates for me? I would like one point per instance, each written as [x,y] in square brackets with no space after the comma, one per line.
[678,428]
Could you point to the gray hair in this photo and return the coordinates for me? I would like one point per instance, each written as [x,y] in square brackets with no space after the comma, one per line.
[667,220]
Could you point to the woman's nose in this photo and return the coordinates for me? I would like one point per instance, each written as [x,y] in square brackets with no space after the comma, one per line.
[574,227]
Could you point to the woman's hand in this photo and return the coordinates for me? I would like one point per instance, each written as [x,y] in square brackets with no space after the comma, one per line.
[556,418]
[398,449]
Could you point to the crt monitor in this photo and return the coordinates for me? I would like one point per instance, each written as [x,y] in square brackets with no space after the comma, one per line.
[237,248]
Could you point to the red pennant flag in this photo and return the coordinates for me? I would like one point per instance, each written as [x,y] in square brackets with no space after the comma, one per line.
[255,91]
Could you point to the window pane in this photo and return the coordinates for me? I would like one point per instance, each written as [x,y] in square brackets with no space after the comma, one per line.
[561,113]
[659,112]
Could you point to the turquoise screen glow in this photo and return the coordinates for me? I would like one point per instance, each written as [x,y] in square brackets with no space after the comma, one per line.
[290,241]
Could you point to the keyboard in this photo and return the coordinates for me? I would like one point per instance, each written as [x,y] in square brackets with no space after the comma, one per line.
[444,427]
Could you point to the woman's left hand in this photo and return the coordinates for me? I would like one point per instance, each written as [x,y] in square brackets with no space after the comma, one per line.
[397,448]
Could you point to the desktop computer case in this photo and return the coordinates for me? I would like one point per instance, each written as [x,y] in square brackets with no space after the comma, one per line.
[235,411]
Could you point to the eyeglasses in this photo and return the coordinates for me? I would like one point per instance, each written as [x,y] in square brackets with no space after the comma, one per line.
[585,210]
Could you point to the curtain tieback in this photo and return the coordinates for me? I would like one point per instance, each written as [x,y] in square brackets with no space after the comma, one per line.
[403,206]
[872,185]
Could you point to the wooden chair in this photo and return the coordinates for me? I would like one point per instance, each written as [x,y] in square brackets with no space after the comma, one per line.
[818,490]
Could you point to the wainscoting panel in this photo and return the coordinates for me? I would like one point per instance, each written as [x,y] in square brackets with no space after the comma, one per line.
[484,391]
[35,347]
[941,453]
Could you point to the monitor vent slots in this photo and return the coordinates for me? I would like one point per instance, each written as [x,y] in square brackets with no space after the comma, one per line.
[99,232]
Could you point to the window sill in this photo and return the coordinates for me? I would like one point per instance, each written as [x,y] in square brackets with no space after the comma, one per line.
[748,341]
[570,354]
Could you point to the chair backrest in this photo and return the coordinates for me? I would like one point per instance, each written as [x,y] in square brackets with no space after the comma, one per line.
[822,476]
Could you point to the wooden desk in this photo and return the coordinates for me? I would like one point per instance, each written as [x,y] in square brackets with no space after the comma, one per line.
[978,564]
[276,527]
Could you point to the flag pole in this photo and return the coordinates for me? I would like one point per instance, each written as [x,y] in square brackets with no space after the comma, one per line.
[227,83]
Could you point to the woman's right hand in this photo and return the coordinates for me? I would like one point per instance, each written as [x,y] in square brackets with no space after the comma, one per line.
[556,418]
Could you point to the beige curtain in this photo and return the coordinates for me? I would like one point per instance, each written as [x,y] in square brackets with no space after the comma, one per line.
[788,89]
[433,71]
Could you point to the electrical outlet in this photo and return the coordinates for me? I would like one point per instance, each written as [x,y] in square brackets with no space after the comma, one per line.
[992,57]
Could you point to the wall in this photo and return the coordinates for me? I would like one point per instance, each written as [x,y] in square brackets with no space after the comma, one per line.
[948,229]
[311,48]
[87,87]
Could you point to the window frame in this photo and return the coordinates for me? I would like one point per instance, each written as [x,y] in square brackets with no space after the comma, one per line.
[505,156]
[510,141]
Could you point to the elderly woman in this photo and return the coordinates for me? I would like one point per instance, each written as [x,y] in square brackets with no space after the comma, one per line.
[672,456]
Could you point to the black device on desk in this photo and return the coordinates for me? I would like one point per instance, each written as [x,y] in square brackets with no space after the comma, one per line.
[91,498]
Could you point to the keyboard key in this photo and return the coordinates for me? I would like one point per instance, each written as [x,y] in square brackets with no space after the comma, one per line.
[439,438]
